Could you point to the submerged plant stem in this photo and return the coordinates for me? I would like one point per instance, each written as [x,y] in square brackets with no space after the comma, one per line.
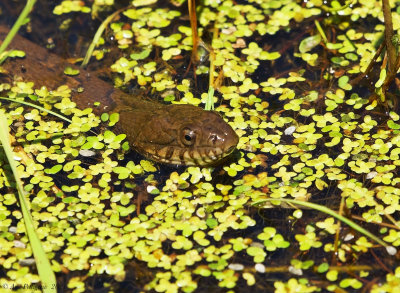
[370,66]
[97,36]
[20,21]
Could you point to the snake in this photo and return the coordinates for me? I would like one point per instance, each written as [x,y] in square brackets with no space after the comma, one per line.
[178,134]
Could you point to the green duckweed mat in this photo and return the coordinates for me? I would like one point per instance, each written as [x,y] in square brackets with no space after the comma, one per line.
[282,71]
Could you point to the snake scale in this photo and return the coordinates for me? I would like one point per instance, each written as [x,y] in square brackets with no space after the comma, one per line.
[174,133]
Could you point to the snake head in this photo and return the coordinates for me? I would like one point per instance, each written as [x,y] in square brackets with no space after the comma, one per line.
[185,135]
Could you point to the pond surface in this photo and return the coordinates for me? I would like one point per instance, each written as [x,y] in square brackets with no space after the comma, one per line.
[287,78]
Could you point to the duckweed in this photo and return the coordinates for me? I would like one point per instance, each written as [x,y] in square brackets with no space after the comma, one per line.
[309,139]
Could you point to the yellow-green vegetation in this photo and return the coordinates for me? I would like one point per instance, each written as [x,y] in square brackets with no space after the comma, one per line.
[283,81]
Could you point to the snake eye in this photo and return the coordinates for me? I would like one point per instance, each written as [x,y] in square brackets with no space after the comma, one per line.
[188,137]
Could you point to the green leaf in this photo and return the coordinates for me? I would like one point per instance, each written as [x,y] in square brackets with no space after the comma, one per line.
[211,223]
[53,170]
[332,46]
[382,77]
[71,71]
[343,83]
[142,55]
[309,43]
[393,125]
[114,118]
[16,53]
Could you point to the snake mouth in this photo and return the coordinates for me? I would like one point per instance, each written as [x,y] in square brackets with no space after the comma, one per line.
[200,156]
[208,152]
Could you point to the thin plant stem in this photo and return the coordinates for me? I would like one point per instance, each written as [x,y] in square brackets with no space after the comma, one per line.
[321,31]
[98,35]
[193,24]
[20,21]
[330,212]
[38,107]
[391,50]
[370,66]
[42,109]
[211,86]
[46,274]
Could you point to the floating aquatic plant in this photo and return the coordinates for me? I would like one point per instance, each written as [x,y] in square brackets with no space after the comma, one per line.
[307,133]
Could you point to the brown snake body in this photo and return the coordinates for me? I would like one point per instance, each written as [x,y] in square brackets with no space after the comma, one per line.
[174,134]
